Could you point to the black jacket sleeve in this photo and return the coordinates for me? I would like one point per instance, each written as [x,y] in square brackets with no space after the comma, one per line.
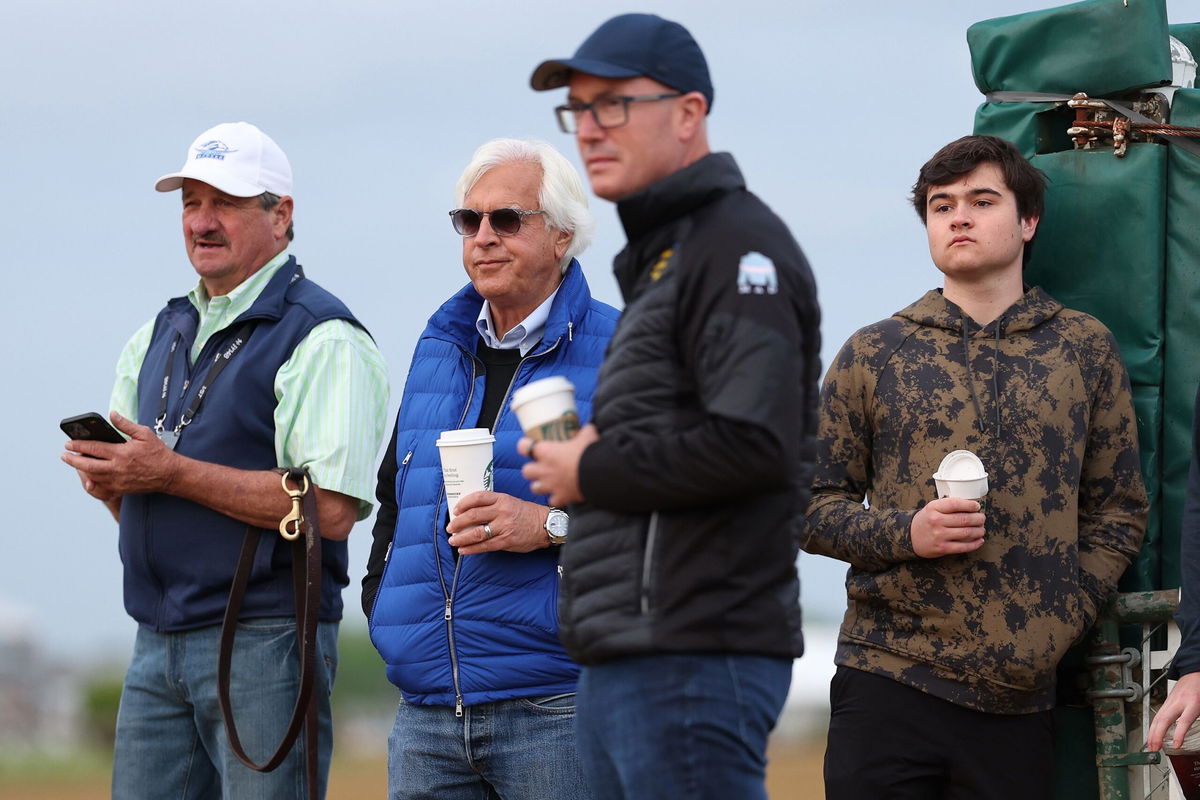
[752,362]
[1187,659]
[385,525]
[713,461]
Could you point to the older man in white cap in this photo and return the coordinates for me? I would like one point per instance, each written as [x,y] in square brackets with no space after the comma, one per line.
[256,368]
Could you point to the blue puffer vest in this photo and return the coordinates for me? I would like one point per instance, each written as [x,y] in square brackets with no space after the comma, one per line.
[479,628]
[179,556]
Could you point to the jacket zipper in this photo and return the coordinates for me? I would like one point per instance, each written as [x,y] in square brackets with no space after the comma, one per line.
[651,536]
[449,615]
[399,498]
[387,555]
[448,594]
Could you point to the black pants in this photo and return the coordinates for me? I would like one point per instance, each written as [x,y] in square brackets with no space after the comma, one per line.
[888,741]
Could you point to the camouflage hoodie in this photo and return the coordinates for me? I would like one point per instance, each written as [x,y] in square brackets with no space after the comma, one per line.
[1041,396]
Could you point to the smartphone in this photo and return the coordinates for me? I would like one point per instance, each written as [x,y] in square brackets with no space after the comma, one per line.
[91,426]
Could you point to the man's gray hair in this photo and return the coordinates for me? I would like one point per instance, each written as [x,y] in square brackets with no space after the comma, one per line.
[561,194]
[269,201]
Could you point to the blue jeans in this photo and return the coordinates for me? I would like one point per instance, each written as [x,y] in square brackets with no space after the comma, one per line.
[693,726]
[512,750]
[171,741]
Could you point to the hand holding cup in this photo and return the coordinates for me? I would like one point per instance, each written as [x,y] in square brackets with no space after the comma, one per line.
[954,523]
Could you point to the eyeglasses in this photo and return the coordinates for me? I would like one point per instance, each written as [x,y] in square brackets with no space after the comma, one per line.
[610,111]
[505,221]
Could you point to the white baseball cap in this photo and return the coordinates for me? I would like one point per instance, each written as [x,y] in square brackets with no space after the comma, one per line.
[238,159]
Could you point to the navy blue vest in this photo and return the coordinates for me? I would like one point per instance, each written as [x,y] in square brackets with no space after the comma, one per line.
[179,556]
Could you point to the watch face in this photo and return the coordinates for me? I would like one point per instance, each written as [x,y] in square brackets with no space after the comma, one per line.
[556,524]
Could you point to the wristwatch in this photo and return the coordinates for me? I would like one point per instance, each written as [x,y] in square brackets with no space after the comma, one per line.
[556,526]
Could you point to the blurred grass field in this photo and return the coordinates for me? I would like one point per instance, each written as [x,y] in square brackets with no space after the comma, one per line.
[794,773]
[364,704]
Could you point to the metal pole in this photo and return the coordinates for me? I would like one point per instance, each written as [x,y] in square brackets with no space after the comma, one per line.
[1109,710]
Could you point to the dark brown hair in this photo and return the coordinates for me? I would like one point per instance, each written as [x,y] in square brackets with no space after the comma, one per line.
[963,155]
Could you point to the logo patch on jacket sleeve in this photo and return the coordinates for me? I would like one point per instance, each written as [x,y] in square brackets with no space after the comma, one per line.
[756,275]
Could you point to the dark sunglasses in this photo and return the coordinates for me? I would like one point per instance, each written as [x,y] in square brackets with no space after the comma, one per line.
[505,221]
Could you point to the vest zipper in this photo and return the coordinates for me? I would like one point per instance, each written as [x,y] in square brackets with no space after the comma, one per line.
[146,550]
[449,616]
[190,370]
[400,494]
[387,555]
[448,594]
[651,536]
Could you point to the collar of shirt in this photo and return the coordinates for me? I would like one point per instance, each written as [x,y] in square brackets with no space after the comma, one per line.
[527,333]
[217,312]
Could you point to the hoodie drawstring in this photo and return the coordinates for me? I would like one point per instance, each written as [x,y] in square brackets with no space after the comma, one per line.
[996,373]
[971,374]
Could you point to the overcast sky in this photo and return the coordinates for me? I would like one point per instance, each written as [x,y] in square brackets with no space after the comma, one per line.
[829,107]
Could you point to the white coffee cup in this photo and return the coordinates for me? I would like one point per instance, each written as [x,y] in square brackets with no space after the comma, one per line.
[961,474]
[546,409]
[466,462]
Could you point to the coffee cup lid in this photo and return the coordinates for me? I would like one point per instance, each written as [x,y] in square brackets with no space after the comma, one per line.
[960,465]
[465,436]
[541,388]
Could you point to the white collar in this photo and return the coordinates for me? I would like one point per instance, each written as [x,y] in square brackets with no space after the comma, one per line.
[525,335]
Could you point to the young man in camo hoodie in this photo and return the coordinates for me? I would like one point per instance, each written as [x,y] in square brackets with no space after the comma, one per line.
[958,610]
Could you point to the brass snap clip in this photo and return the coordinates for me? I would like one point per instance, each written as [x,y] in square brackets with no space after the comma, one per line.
[296,515]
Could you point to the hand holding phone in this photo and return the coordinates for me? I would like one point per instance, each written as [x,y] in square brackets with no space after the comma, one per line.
[91,427]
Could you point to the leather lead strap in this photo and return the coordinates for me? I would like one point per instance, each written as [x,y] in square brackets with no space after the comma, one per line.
[306,584]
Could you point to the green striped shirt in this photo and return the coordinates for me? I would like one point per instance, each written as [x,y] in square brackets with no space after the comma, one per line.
[331,395]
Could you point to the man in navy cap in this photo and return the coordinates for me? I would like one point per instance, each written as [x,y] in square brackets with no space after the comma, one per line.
[679,591]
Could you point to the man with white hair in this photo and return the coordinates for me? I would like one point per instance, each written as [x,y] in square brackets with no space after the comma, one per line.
[464,613]
[256,368]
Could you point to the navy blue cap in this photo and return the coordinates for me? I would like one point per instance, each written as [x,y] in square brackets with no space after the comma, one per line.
[629,46]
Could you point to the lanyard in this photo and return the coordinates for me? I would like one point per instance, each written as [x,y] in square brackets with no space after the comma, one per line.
[220,361]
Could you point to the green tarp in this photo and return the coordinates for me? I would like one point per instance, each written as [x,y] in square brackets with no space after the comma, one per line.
[1181,367]
[1098,46]
[1032,127]
[1120,238]
[1099,246]
[1189,34]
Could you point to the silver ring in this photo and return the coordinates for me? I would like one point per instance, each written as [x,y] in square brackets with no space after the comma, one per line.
[531,446]
[487,532]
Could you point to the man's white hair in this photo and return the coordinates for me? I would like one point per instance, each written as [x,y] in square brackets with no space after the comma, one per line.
[560,195]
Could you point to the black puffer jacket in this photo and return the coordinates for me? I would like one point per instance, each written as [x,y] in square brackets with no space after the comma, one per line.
[706,407]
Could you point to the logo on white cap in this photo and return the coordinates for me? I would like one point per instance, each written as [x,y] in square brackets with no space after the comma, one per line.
[213,149]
